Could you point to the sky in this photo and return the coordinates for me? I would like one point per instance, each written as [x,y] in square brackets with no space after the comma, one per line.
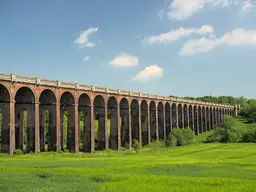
[163,47]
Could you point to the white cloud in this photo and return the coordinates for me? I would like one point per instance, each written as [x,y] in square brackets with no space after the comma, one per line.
[183,9]
[236,37]
[149,73]
[83,40]
[125,60]
[174,35]
[86,58]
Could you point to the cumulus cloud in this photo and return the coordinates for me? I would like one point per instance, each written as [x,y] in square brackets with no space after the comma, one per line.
[239,36]
[183,9]
[125,60]
[174,35]
[149,73]
[83,40]
[86,58]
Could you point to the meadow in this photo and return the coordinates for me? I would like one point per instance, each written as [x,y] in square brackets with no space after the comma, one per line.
[198,167]
[192,168]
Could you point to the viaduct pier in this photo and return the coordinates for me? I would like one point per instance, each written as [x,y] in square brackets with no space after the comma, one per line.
[39,114]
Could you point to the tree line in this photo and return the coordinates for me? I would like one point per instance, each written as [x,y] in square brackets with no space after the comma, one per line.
[247,106]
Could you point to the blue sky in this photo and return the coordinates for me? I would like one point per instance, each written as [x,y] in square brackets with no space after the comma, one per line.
[181,47]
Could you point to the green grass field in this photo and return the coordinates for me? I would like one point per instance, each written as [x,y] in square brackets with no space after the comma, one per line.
[199,167]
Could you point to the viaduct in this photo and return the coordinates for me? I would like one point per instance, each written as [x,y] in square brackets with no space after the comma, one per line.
[32,113]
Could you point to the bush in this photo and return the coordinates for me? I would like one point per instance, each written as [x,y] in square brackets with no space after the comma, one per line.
[179,137]
[225,134]
[156,145]
[18,152]
[214,137]
[249,136]
[136,145]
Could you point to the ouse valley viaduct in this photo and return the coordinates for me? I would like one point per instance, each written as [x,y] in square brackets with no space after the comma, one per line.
[33,112]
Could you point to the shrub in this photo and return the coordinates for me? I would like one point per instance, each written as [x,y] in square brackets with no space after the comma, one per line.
[136,145]
[18,152]
[189,136]
[214,137]
[179,137]
[226,133]
[249,136]
[156,145]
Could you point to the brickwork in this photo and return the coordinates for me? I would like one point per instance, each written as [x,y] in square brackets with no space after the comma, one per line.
[129,119]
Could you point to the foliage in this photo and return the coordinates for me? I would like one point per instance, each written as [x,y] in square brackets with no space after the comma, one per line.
[136,145]
[248,106]
[249,136]
[179,137]
[156,145]
[226,133]
[18,152]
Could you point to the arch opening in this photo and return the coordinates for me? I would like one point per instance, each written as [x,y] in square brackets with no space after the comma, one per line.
[124,113]
[4,119]
[168,119]
[135,119]
[186,121]
[200,120]
[67,111]
[160,109]
[208,119]
[47,119]
[144,122]
[211,118]
[174,116]
[152,107]
[204,119]
[180,116]
[25,120]
[113,123]
[84,108]
[191,119]
[195,120]
[100,132]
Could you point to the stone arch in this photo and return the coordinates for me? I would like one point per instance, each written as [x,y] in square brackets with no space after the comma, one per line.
[152,108]
[191,117]
[180,116]
[186,117]
[195,120]
[47,120]
[174,116]
[160,109]
[4,119]
[144,122]
[124,113]
[135,119]
[168,118]
[114,123]
[67,116]
[84,108]
[25,119]
[100,128]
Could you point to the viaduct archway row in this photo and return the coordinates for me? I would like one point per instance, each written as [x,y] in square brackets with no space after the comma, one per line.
[37,115]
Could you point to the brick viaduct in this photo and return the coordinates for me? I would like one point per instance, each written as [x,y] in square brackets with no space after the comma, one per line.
[25,102]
